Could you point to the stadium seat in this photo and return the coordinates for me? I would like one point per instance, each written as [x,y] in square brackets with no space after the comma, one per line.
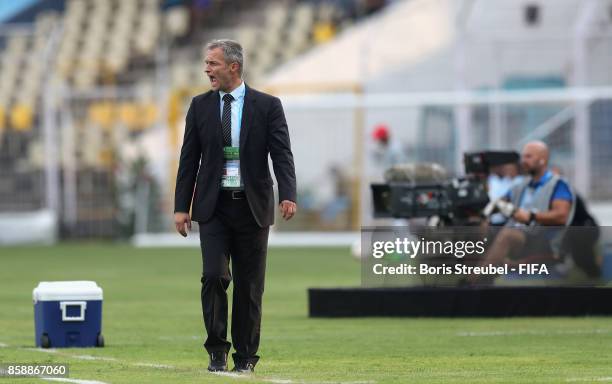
[93,141]
[303,16]
[117,57]
[84,78]
[102,113]
[8,77]
[177,21]
[16,45]
[276,17]
[146,38]
[5,98]
[36,154]
[129,115]
[247,36]
[326,12]
[2,121]
[149,114]
[180,74]
[323,32]
[27,96]
[44,23]
[21,118]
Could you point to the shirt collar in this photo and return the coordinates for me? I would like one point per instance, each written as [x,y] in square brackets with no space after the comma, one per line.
[545,177]
[237,93]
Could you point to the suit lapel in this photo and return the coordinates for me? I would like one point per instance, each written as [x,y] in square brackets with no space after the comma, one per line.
[247,114]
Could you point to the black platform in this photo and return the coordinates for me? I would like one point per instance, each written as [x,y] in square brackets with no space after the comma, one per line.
[460,302]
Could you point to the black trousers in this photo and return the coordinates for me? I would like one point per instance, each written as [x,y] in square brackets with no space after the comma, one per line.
[233,234]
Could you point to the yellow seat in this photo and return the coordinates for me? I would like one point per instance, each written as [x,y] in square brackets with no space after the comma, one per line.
[323,32]
[129,114]
[149,114]
[103,114]
[2,121]
[22,117]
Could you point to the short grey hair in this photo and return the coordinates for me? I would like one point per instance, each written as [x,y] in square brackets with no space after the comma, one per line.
[232,51]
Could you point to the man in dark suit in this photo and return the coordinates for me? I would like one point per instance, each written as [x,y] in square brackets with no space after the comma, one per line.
[229,132]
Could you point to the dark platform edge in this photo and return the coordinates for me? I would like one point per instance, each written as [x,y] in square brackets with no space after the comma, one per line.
[460,302]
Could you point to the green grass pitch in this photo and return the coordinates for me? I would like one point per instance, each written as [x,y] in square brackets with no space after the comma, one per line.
[154,332]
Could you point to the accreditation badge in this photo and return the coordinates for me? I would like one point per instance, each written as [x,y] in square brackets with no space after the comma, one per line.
[231,168]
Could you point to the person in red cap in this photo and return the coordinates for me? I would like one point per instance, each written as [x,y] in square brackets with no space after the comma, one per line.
[381,133]
[387,153]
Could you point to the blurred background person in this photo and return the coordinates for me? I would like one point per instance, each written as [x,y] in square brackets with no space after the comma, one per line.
[387,150]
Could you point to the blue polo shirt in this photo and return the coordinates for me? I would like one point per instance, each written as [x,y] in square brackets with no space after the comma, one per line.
[561,192]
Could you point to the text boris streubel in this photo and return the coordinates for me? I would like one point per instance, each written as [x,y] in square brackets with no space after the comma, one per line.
[410,248]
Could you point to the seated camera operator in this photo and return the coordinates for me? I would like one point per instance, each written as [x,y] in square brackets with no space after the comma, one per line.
[541,199]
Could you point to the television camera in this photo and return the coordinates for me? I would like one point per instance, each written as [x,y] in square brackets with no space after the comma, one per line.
[425,190]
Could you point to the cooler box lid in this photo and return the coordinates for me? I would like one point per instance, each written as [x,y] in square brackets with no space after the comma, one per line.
[67,290]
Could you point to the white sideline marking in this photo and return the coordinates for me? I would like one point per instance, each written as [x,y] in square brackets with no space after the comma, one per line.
[540,333]
[232,375]
[76,381]
[285,381]
[154,365]
[288,381]
[90,357]
[102,358]
[166,366]
[3,345]
[335,382]
[51,350]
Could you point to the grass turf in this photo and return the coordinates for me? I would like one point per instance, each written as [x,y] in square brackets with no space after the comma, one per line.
[152,317]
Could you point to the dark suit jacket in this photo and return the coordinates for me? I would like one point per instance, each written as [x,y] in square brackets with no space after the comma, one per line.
[263,130]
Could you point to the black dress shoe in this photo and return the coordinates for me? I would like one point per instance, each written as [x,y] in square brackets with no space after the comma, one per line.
[218,361]
[243,367]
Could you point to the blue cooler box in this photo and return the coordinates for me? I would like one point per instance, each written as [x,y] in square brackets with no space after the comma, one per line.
[68,314]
